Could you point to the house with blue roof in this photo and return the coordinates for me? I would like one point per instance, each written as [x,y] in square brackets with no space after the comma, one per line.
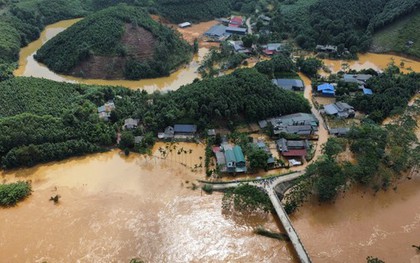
[326,89]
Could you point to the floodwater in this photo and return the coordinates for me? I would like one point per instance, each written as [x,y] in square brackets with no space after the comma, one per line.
[28,66]
[375,61]
[114,208]
[361,225]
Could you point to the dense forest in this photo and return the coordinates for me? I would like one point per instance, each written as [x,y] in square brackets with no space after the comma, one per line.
[347,24]
[107,36]
[43,120]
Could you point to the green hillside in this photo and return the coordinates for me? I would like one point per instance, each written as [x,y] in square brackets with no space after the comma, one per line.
[395,37]
[117,42]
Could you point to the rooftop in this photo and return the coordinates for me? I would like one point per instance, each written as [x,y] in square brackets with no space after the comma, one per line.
[288,84]
[185,128]
[216,30]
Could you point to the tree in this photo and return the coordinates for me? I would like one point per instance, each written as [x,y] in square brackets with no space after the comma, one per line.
[248,40]
[309,66]
[127,140]
[257,158]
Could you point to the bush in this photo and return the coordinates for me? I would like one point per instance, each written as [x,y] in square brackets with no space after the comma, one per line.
[11,194]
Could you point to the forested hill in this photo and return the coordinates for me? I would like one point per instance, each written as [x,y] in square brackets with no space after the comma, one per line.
[193,10]
[115,43]
[346,23]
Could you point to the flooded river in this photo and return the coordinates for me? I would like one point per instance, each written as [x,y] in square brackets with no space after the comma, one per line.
[28,66]
[114,208]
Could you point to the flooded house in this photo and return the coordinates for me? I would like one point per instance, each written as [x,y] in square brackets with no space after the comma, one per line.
[230,159]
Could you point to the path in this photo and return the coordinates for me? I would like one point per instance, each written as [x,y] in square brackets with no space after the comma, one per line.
[248,25]
[259,182]
[287,224]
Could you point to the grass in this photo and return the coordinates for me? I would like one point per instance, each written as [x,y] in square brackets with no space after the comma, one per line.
[394,37]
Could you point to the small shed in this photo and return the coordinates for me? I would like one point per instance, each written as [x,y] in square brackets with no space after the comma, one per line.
[184,25]
[367,91]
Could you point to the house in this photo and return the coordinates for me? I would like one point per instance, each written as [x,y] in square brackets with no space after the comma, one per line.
[272,48]
[211,132]
[240,159]
[217,33]
[138,139]
[224,21]
[238,46]
[185,129]
[104,111]
[340,109]
[230,159]
[130,123]
[367,91]
[236,21]
[169,133]
[339,131]
[261,145]
[326,48]
[326,89]
[264,18]
[293,148]
[289,84]
[304,124]
[296,119]
[184,25]
[236,30]
[304,130]
[356,78]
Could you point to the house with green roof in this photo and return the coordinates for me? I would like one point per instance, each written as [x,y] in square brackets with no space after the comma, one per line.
[230,159]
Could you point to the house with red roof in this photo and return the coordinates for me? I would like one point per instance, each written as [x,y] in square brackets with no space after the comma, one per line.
[236,21]
[293,148]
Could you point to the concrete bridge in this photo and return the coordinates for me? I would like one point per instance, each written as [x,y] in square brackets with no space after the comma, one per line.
[268,185]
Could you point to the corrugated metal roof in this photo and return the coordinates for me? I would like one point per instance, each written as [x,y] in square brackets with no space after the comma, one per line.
[230,156]
[185,128]
[239,155]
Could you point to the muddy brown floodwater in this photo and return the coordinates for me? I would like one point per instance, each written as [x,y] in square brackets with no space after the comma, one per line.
[114,208]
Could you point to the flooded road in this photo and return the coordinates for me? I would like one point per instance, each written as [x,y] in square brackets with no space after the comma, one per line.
[28,66]
[114,208]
